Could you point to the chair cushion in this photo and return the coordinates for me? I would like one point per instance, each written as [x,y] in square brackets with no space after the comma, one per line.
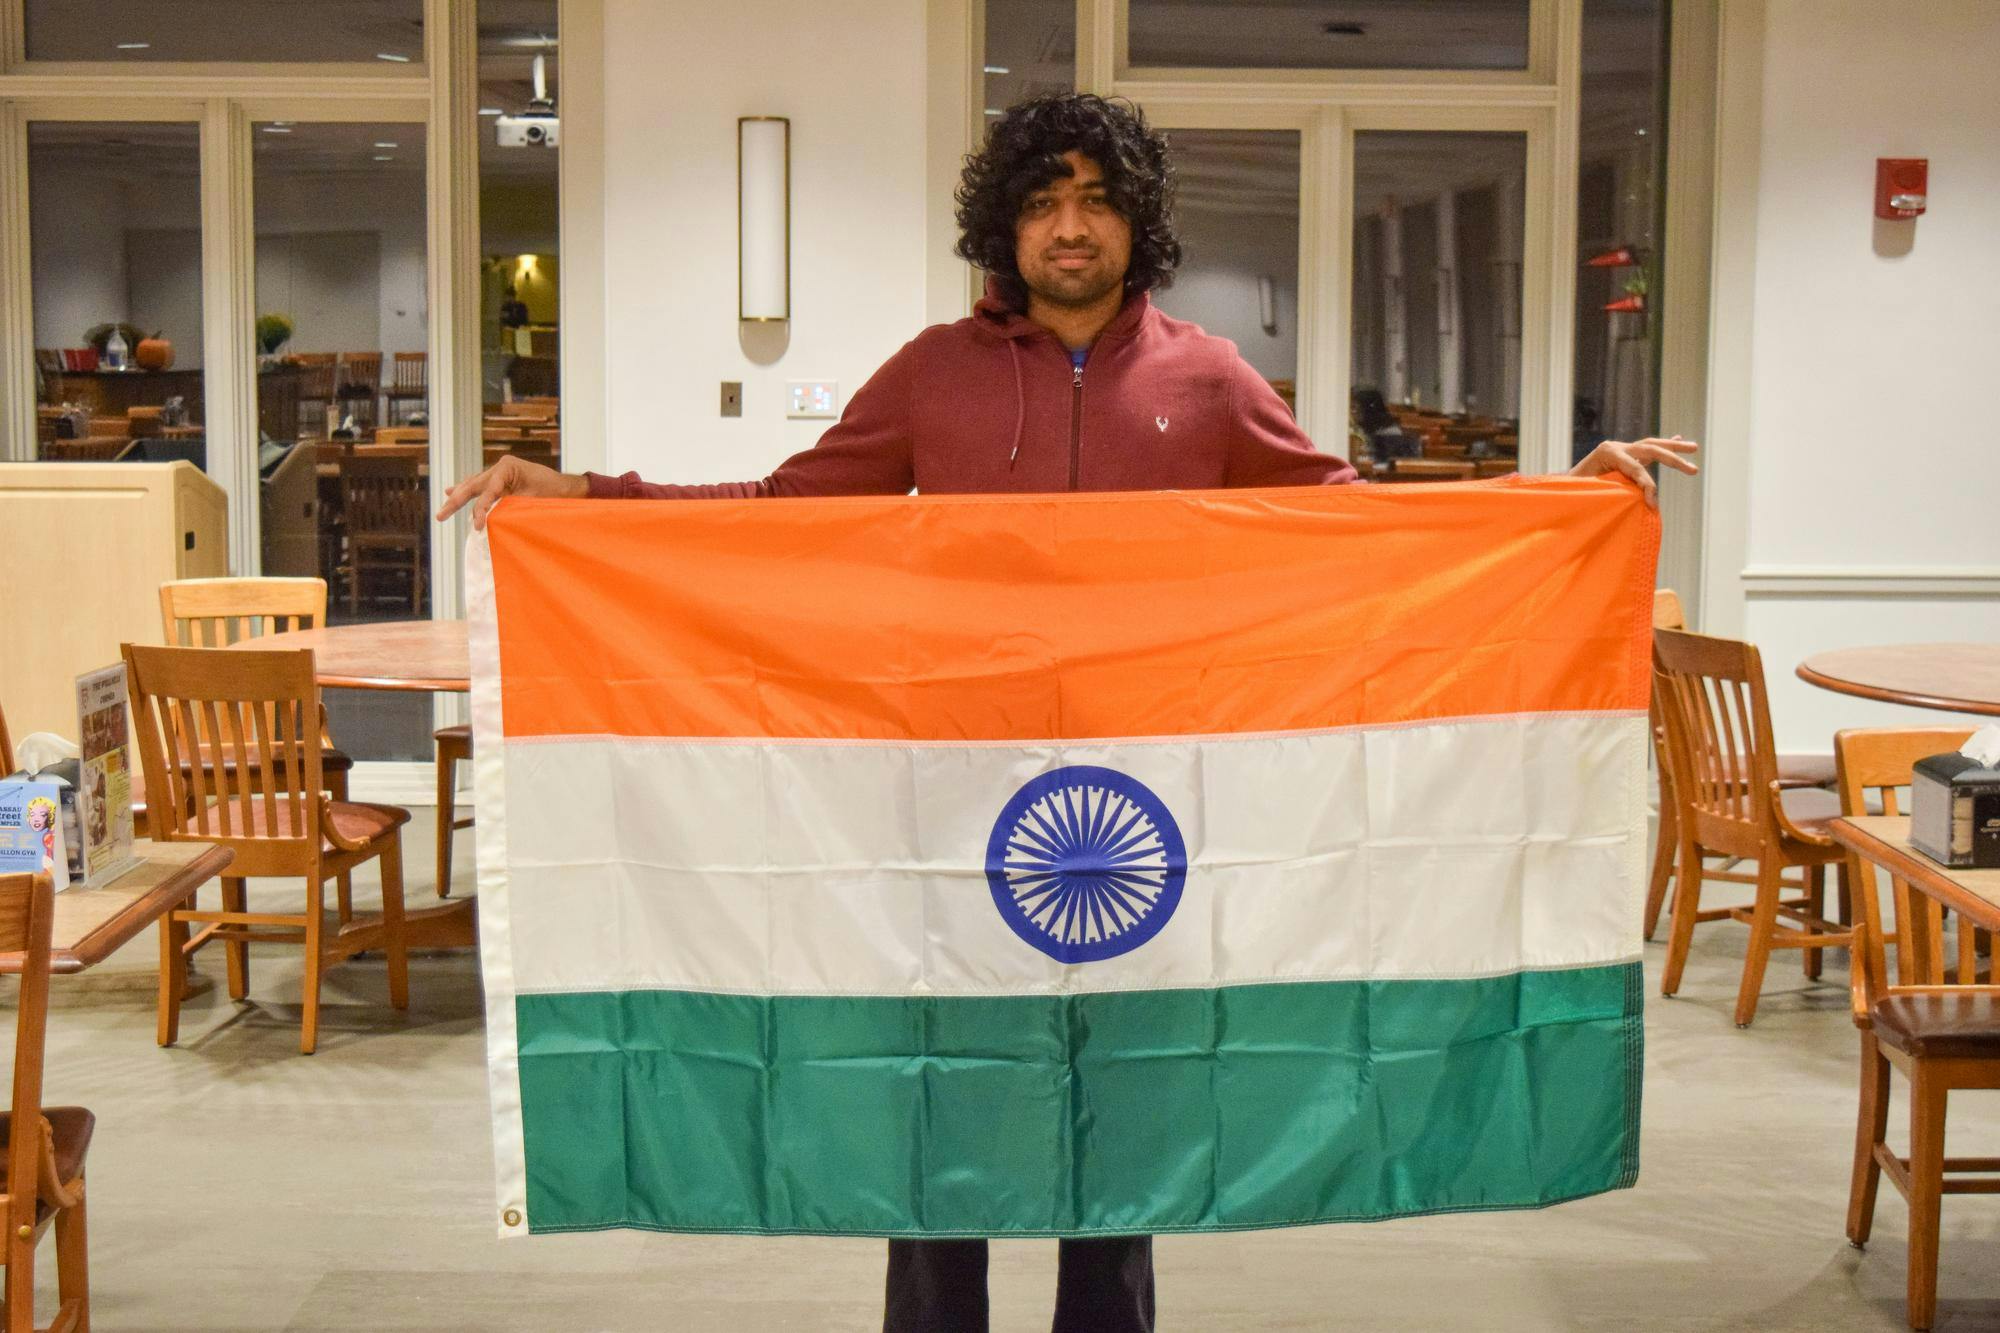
[353,820]
[1809,770]
[1809,808]
[72,1127]
[1941,1026]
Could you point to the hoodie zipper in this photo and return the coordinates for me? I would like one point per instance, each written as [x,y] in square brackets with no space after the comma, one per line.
[1075,423]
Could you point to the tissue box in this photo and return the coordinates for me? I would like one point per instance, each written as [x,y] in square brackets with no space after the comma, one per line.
[1955,811]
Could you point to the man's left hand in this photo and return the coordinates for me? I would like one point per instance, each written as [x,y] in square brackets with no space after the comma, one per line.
[1631,460]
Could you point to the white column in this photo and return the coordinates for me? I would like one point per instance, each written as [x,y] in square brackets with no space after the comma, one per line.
[452,149]
[17,308]
[1395,307]
[1507,237]
[228,323]
[1450,327]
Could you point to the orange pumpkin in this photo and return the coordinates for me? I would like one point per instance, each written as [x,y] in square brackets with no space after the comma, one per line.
[153,354]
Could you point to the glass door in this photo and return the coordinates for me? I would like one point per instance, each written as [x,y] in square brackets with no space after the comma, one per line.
[1436,280]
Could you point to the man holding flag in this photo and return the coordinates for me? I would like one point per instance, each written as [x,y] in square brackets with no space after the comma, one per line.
[1065,378]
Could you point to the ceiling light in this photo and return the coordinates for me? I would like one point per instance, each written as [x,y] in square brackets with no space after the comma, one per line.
[491,111]
[998,69]
[1345,30]
[277,129]
[1641,131]
[388,145]
[384,157]
[994,111]
[392,57]
[135,46]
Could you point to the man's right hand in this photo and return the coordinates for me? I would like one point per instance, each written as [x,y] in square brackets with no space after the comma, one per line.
[510,476]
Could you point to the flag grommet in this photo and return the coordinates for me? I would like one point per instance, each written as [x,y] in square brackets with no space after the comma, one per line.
[512,1217]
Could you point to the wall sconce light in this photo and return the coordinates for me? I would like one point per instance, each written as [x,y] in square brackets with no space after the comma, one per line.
[764,218]
[1267,304]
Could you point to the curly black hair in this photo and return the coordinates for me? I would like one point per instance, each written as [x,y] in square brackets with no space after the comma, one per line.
[1023,153]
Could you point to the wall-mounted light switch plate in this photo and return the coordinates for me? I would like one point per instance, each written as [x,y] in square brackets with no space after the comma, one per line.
[812,398]
[732,398]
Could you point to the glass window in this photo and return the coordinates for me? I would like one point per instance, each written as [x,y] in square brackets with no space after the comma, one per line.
[1436,341]
[1312,34]
[521,273]
[115,236]
[1238,219]
[1619,221]
[1030,51]
[342,388]
[226,30]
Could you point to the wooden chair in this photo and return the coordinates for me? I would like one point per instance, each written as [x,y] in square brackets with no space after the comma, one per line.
[317,385]
[45,1146]
[1722,764]
[409,381]
[271,810]
[214,613]
[385,506]
[1793,771]
[358,385]
[1873,763]
[402,435]
[1943,1033]
[454,746]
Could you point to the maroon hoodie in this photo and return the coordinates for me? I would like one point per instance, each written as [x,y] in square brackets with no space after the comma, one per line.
[992,403]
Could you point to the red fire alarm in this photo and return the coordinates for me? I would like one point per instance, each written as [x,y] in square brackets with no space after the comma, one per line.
[1901,186]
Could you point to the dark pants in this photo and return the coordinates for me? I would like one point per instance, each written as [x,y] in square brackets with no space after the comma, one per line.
[939,1286]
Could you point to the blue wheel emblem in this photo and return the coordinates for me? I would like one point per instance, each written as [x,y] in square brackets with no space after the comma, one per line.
[1086,863]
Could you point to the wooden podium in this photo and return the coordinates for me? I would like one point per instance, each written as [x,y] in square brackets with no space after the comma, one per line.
[87,547]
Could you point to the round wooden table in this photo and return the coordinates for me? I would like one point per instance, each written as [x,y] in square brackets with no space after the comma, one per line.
[1951,677]
[390,655]
[408,655]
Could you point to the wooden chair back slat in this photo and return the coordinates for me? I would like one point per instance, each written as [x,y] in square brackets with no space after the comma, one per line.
[1876,762]
[384,495]
[259,709]
[27,915]
[411,372]
[214,613]
[1718,714]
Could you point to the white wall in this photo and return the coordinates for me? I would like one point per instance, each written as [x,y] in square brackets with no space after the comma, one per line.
[1216,286]
[1873,345]
[676,77]
[87,227]
[77,234]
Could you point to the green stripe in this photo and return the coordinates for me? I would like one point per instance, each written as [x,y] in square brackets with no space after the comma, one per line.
[1137,1111]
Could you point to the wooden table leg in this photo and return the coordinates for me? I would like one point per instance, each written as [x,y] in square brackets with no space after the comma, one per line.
[451,925]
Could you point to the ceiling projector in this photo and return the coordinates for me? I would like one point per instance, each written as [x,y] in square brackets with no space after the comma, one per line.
[537,126]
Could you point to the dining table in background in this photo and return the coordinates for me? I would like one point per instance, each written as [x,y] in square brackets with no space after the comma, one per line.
[91,923]
[420,656]
[1948,677]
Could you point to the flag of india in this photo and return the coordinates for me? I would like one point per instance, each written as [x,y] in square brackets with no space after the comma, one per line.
[1062,865]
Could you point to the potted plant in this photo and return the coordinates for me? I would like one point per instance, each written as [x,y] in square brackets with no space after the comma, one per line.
[98,336]
[273,332]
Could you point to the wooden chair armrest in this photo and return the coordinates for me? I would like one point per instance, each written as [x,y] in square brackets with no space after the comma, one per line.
[1857,978]
[332,834]
[1785,825]
[50,1185]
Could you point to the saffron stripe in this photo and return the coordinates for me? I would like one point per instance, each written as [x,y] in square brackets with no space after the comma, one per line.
[966,618]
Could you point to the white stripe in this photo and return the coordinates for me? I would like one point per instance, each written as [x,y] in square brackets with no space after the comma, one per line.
[1453,849]
[496,920]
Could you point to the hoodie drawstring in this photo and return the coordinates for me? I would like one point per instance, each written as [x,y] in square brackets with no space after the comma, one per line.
[1020,401]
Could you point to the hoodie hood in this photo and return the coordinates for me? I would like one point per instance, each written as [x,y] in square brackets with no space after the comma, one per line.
[995,316]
